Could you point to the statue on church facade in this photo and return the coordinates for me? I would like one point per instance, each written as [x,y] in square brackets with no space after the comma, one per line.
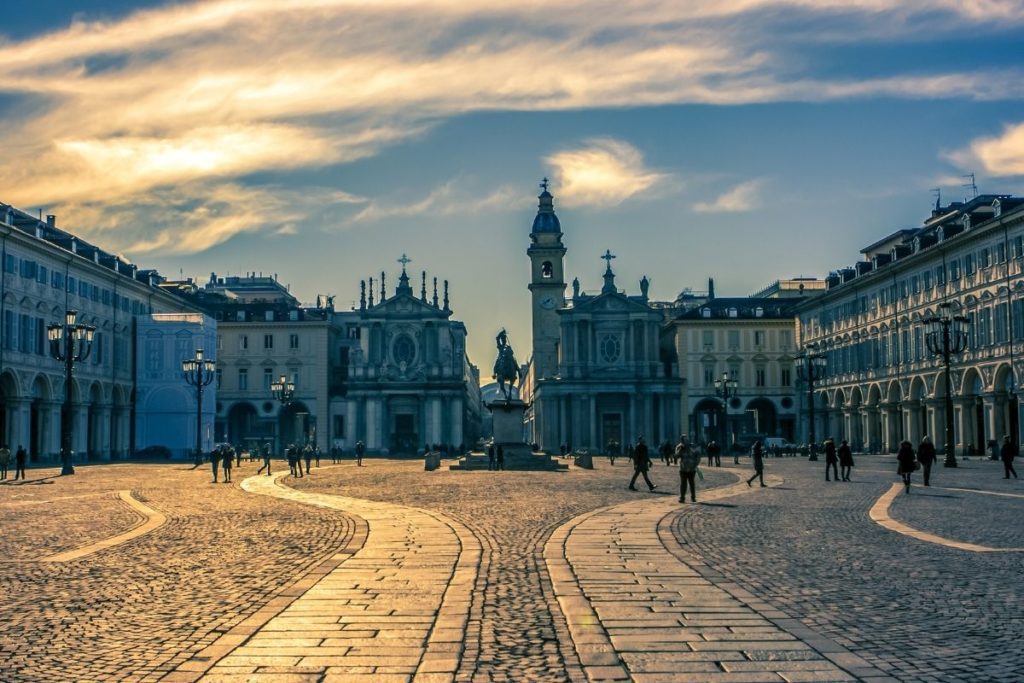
[506,367]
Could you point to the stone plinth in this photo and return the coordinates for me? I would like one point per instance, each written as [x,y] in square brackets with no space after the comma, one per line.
[508,419]
[508,434]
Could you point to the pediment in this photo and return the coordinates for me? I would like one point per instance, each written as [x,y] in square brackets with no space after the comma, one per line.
[405,306]
[611,303]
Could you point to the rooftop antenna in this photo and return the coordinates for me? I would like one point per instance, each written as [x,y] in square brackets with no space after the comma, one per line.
[937,192]
[972,184]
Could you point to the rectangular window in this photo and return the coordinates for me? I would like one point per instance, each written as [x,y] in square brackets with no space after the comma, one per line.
[10,330]
[11,264]
[759,377]
[1018,320]
[919,343]
[968,264]
[785,377]
[785,339]
[26,344]
[985,327]
[940,275]
[915,285]
[243,342]
[28,269]
[709,338]
[293,341]
[220,342]
[734,339]
[339,427]
[243,379]
[1018,246]
[154,355]
[83,288]
[1001,331]
[1001,252]
[41,337]
[71,283]
[42,275]
[220,377]
[268,341]
[985,258]
[926,280]
[758,337]
[268,378]
[709,375]
[954,270]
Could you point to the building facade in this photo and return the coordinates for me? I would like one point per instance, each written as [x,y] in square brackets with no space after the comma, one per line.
[882,383]
[46,271]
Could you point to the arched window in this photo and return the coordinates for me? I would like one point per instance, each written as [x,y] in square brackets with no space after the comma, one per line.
[547,270]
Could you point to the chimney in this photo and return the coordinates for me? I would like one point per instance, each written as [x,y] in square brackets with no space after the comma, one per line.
[711,288]
[51,220]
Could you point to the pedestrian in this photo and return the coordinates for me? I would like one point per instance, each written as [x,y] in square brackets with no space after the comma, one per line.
[758,457]
[926,456]
[265,452]
[227,464]
[641,463]
[316,455]
[711,452]
[5,460]
[1007,453]
[215,461]
[689,463]
[307,455]
[238,455]
[500,455]
[846,460]
[360,449]
[19,463]
[665,450]
[490,457]
[907,463]
[831,459]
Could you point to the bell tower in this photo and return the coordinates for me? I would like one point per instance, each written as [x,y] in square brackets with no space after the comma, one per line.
[547,284]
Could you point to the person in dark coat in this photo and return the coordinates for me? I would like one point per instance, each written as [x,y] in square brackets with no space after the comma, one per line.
[360,449]
[926,456]
[227,461]
[758,457]
[19,463]
[641,463]
[714,453]
[845,460]
[831,459]
[5,460]
[215,456]
[500,455]
[905,458]
[1007,453]
[689,462]
[490,457]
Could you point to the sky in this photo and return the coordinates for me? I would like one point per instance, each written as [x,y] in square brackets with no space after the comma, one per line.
[744,140]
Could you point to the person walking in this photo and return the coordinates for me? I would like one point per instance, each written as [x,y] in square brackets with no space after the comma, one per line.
[926,456]
[19,463]
[641,463]
[316,455]
[307,455]
[500,454]
[831,459]
[360,449]
[714,453]
[5,460]
[846,460]
[215,461]
[1007,453]
[293,460]
[689,462]
[907,463]
[758,456]
[490,457]
[227,462]
[265,453]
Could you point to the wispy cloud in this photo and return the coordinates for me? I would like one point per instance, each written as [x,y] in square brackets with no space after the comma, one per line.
[603,172]
[1000,155]
[208,93]
[445,200]
[744,197]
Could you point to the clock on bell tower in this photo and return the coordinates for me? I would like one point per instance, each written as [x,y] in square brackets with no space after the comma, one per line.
[547,283]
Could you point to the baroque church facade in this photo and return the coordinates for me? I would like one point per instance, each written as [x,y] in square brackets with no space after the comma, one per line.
[602,371]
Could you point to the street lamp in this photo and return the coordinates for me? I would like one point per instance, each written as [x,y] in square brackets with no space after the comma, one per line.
[199,372]
[725,389]
[946,337]
[810,369]
[283,390]
[70,342]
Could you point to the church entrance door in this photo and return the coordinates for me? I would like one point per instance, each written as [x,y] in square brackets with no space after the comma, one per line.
[404,439]
[611,432]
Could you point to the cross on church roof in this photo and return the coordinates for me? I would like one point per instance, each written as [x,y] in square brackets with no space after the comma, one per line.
[404,260]
[544,184]
[608,256]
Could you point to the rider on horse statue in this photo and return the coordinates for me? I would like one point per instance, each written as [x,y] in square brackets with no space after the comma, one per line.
[506,368]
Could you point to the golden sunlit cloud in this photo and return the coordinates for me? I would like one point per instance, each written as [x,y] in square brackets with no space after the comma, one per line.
[191,98]
[444,200]
[744,197]
[1002,155]
[604,172]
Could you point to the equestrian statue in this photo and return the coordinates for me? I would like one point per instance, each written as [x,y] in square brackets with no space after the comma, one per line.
[506,368]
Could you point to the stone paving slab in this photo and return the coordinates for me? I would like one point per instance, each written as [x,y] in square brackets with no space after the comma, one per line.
[150,520]
[637,611]
[396,609]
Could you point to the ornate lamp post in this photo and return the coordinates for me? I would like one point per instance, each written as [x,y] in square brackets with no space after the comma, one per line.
[283,391]
[70,342]
[947,336]
[199,372]
[810,369]
[725,389]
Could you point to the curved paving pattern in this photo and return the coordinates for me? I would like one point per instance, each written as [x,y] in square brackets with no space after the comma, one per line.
[396,609]
[879,513]
[637,610]
[151,520]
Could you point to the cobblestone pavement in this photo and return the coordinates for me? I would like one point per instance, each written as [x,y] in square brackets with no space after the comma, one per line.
[136,611]
[516,632]
[915,610]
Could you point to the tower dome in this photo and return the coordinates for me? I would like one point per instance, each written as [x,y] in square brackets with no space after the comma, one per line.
[546,220]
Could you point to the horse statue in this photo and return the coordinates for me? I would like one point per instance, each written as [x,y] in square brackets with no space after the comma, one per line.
[506,368]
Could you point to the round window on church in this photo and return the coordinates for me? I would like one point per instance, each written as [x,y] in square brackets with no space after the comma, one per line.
[404,349]
[611,348]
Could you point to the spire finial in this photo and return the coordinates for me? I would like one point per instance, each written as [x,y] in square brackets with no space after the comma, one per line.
[609,276]
[435,293]
[405,260]
[423,288]
[544,183]
[608,256]
[371,292]
[446,306]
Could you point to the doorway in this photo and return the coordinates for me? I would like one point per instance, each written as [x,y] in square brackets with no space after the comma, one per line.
[611,432]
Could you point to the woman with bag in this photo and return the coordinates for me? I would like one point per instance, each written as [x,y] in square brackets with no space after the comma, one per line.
[758,454]
[907,463]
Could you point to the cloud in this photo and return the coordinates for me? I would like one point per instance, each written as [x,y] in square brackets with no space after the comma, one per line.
[744,197]
[1001,155]
[604,172]
[447,199]
[213,92]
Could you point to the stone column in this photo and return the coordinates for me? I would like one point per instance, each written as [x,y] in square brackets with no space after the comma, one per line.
[633,433]
[592,419]
[19,418]
[993,418]
[960,422]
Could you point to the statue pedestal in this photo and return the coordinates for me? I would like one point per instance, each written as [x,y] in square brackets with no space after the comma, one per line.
[508,417]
